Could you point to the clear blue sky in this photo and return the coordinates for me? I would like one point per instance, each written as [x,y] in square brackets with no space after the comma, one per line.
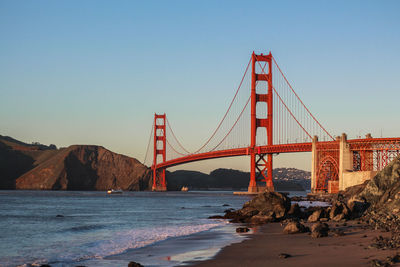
[94,72]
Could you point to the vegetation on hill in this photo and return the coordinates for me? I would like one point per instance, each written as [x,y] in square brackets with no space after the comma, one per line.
[285,179]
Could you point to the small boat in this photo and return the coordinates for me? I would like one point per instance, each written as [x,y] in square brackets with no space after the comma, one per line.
[184,189]
[114,191]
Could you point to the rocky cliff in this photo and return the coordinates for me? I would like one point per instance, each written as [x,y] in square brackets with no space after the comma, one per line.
[78,167]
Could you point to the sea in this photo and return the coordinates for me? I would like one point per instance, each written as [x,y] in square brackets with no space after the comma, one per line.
[75,228]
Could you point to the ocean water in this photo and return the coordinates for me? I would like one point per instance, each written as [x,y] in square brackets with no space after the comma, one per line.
[64,228]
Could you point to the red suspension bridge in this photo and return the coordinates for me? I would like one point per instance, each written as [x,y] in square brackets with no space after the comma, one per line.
[266,117]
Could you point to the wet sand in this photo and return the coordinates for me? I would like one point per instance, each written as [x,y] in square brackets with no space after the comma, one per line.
[268,241]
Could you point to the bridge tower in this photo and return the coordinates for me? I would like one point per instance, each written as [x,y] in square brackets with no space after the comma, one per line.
[261,164]
[160,141]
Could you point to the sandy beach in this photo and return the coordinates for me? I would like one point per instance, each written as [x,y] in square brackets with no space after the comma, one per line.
[267,242]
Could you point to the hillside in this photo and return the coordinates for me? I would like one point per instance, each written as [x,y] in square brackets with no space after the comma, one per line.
[285,179]
[78,167]
[85,167]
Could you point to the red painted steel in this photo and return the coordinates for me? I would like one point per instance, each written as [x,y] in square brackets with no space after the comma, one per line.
[258,161]
[274,149]
[159,183]
[368,154]
[327,156]
[373,154]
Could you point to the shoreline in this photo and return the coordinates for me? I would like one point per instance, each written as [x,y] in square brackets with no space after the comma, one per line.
[264,246]
[180,250]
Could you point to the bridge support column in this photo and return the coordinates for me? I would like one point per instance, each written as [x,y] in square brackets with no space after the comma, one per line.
[160,140]
[314,164]
[261,162]
[345,159]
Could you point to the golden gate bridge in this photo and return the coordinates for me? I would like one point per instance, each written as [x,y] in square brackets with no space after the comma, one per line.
[265,117]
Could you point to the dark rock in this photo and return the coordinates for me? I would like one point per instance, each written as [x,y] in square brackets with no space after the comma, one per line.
[319,230]
[394,259]
[384,185]
[134,264]
[45,265]
[284,255]
[339,208]
[59,216]
[297,198]
[357,208]
[379,263]
[235,217]
[242,230]
[316,215]
[295,211]
[261,219]
[268,202]
[338,232]
[228,210]
[248,212]
[295,228]
[225,205]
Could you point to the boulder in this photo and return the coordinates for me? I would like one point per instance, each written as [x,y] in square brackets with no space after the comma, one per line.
[319,230]
[357,207]
[339,208]
[315,216]
[235,217]
[134,264]
[295,211]
[261,219]
[295,228]
[267,202]
[242,230]
[284,255]
[338,232]
[248,212]
[385,183]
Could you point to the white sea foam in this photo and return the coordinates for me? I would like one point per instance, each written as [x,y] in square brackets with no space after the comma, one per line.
[307,204]
[137,238]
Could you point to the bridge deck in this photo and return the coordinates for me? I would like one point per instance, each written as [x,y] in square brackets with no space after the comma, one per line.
[288,148]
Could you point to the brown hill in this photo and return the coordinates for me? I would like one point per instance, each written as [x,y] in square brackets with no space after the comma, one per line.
[17,158]
[78,167]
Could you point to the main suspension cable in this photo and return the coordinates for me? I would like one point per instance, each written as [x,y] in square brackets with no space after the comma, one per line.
[301,101]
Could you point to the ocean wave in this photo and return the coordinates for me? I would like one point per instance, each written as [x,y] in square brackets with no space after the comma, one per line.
[137,238]
[85,228]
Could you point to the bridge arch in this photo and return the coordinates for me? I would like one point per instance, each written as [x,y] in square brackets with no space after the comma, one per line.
[328,170]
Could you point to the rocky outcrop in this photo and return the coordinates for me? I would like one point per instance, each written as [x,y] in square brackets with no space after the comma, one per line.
[383,191]
[263,208]
[295,228]
[269,203]
[17,158]
[82,167]
[319,230]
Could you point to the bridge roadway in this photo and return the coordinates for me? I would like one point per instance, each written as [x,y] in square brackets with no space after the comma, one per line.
[287,148]
[366,143]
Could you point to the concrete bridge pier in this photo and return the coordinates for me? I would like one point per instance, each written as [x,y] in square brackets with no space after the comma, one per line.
[332,167]
[159,188]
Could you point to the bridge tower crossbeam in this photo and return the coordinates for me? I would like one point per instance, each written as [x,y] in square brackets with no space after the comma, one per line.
[261,164]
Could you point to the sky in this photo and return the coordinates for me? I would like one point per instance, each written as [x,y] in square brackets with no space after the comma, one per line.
[95,72]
